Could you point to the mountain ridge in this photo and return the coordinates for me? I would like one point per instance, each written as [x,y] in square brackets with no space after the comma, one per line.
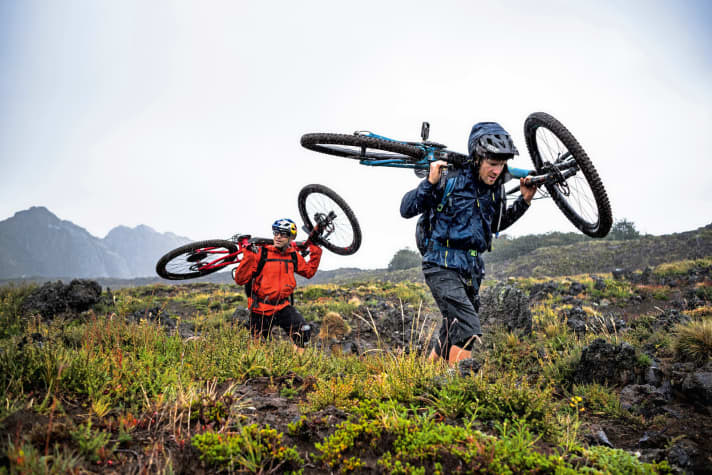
[35,242]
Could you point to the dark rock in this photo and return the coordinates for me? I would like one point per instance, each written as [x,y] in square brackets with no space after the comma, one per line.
[645,276]
[682,454]
[576,288]
[603,438]
[604,363]
[653,440]
[241,314]
[576,320]
[54,298]
[652,455]
[82,294]
[654,374]
[469,366]
[507,306]
[580,322]
[697,387]
[543,290]
[598,282]
[642,399]
[619,274]
[349,348]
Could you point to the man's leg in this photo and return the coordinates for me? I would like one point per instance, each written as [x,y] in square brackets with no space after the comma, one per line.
[461,325]
[295,325]
[260,325]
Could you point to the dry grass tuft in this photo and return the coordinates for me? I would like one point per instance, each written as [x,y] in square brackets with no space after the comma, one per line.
[694,340]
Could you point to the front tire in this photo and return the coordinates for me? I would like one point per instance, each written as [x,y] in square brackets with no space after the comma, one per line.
[343,233]
[190,261]
[583,200]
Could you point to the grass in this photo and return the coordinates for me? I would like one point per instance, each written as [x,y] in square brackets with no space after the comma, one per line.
[115,382]
[693,341]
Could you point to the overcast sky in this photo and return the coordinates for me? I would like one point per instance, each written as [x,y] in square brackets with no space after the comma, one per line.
[186,116]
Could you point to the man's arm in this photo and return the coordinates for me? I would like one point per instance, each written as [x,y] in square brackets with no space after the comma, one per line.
[424,197]
[308,268]
[518,208]
[247,267]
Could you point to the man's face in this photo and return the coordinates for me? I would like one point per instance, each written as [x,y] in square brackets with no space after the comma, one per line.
[490,170]
[282,239]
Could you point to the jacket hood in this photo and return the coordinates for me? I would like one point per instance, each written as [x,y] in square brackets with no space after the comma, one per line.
[480,129]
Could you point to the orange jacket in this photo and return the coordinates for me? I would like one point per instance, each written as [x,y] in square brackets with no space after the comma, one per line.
[272,288]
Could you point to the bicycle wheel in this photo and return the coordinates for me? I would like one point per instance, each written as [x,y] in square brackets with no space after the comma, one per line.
[195,259]
[341,232]
[582,199]
[361,147]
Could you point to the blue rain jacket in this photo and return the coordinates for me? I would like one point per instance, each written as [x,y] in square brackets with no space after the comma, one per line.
[463,229]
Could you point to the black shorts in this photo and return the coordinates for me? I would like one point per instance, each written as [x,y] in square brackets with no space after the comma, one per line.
[458,300]
[288,318]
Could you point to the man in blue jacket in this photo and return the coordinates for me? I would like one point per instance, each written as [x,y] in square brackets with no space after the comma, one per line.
[459,220]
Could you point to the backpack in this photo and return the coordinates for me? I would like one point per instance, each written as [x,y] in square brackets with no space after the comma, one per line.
[424,226]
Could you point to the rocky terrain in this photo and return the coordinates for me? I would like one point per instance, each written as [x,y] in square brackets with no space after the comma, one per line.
[601,372]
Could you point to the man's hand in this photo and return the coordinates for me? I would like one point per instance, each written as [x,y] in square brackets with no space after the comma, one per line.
[527,190]
[436,171]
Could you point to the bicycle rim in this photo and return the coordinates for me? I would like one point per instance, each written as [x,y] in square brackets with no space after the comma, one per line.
[582,197]
[343,234]
[196,259]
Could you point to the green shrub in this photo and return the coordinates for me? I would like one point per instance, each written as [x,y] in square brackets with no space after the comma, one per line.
[251,449]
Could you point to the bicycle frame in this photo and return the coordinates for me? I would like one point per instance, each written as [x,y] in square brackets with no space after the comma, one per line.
[564,167]
[245,240]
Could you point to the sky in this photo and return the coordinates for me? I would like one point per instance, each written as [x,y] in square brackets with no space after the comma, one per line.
[186,116]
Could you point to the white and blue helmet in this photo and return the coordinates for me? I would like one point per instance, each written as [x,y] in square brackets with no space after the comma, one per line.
[285,225]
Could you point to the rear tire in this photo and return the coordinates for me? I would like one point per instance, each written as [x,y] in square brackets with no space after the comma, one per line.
[361,147]
[185,262]
[587,205]
[343,236]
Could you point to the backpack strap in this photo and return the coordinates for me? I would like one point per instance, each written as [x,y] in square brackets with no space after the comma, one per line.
[449,185]
[260,266]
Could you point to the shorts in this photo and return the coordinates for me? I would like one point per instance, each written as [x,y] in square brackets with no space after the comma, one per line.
[288,318]
[458,300]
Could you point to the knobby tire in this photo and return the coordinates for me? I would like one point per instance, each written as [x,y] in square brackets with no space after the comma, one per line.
[369,148]
[601,225]
[346,238]
[171,267]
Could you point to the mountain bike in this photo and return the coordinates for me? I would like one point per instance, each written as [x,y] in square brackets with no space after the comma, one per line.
[327,219]
[561,165]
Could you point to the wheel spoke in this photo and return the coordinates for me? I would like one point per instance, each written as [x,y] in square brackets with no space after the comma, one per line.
[580,199]
[318,203]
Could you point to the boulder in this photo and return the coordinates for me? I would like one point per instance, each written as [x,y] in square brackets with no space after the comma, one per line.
[506,306]
[605,363]
[54,298]
[697,386]
[643,399]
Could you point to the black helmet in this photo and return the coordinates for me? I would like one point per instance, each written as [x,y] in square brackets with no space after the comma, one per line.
[490,140]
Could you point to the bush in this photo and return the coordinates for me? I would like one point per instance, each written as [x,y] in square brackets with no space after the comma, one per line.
[623,230]
[694,340]
[405,259]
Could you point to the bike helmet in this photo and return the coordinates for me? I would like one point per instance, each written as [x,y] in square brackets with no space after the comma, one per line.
[285,225]
[490,140]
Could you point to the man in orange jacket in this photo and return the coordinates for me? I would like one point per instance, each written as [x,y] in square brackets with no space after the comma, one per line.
[268,277]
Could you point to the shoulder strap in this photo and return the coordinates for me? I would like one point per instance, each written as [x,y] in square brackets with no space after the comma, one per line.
[449,185]
[261,262]
[260,266]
